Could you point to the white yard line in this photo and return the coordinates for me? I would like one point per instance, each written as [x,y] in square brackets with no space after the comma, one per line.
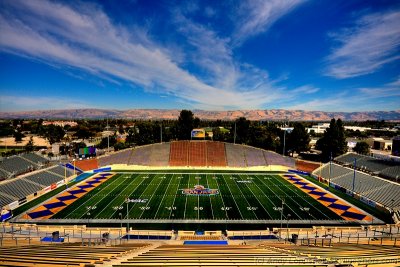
[126,189]
[184,214]
[307,202]
[241,192]
[84,213]
[220,195]
[264,193]
[209,198]
[166,191]
[234,200]
[257,197]
[278,197]
[173,203]
[147,204]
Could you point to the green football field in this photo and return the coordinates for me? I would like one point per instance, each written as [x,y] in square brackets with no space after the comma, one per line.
[239,196]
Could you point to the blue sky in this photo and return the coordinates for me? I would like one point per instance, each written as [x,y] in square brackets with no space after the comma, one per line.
[317,55]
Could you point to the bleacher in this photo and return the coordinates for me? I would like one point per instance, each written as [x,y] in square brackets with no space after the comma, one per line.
[14,189]
[179,155]
[273,158]
[356,254]
[62,255]
[151,155]
[87,164]
[4,174]
[215,255]
[374,188]
[39,160]
[61,171]
[44,178]
[159,154]
[16,165]
[119,157]
[254,157]
[216,154]
[235,155]
[19,188]
[197,153]
[389,169]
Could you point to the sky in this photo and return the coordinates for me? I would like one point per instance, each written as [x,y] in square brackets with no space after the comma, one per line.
[320,55]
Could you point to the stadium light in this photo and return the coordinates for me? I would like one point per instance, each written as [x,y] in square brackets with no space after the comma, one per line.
[120,217]
[281,209]
[287,225]
[127,200]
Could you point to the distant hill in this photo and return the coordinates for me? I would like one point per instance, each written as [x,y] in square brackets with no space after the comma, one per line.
[152,114]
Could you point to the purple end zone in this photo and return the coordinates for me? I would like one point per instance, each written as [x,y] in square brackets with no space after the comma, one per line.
[353,215]
[306,187]
[93,182]
[38,214]
[327,199]
[339,206]
[301,183]
[64,198]
[317,193]
[77,191]
[85,186]
[54,205]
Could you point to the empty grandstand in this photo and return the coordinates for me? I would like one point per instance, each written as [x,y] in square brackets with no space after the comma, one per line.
[25,185]
[379,190]
[16,165]
[196,154]
[385,168]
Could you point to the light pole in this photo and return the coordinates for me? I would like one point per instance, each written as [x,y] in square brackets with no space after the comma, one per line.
[287,226]
[73,160]
[127,215]
[120,217]
[281,209]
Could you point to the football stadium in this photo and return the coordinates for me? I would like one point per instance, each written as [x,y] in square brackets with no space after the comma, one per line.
[198,203]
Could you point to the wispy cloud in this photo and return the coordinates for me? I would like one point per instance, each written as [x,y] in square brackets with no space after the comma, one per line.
[83,37]
[372,42]
[257,16]
[385,97]
[16,103]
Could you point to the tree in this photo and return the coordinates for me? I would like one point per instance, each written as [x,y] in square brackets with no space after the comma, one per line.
[242,130]
[18,136]
[361,148]
[185,125]
[84,133]
[30,145]
[54,133]
[298,140]
[333,142]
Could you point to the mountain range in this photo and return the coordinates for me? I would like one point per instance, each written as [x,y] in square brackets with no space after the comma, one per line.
[166,114]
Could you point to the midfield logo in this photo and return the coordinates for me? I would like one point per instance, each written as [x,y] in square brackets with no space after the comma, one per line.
[200,190]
